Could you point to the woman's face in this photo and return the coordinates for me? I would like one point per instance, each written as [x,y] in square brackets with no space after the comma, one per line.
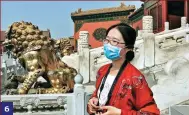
[115,38]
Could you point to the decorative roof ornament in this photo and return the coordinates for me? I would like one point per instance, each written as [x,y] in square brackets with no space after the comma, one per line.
[79,10]
[122,5]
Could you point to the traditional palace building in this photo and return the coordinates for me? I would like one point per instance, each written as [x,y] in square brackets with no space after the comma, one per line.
[97,21]
[162,11]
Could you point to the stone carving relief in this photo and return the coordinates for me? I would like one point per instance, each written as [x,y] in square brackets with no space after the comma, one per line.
[147,24]
[25,101]
[79,46]
[174,76]
[97,60]
[100,34]
[171,41]
[171,65]
[61,100]
[170,47]
[95,55]
[183,22]
[83,39]
[138,61]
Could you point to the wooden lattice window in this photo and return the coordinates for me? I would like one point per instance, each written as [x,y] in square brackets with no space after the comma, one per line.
[100,34]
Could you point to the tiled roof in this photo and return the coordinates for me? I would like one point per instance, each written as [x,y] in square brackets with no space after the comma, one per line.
[136,11]
[122,7]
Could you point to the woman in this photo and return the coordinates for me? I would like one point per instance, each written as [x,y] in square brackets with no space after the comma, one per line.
[121,89]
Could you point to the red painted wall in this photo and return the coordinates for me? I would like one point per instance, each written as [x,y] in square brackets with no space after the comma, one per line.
[164,11]
[91,27]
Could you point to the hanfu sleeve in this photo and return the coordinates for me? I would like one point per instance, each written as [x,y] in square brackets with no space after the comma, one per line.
[144,103]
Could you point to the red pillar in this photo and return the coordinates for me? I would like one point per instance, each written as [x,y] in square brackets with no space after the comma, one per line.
[75,43]
[165,10]
[186,9]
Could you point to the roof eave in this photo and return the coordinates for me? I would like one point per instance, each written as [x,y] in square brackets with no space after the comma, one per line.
[75,15]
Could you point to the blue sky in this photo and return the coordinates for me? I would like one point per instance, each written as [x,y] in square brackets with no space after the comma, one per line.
[54,15]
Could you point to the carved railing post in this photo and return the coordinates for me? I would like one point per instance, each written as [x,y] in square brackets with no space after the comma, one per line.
[166,26]
[63,101]
[187,37]
[94,54]
[79,95]
[187,33]
[138,61]
[29,102]
[147,24]
[84,58]
[149,41]
[183,22]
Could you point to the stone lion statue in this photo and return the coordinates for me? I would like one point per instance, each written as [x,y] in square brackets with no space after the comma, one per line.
[37,54]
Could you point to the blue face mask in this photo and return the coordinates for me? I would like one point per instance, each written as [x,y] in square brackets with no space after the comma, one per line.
[112,52]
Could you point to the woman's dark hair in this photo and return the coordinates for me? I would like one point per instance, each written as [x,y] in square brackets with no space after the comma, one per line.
[129,36]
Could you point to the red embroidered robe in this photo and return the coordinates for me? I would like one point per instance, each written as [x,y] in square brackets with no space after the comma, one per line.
[131,93]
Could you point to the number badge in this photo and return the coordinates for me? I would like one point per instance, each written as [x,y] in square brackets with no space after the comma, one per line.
[7,108]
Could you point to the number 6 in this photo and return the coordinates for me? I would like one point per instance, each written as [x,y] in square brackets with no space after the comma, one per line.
[7,109]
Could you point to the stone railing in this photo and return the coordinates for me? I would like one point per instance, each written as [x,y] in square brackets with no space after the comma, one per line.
[50,104]
[157,56]
[147,48]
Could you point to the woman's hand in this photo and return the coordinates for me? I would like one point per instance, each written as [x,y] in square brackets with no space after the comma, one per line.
[111,110]
[92,105]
